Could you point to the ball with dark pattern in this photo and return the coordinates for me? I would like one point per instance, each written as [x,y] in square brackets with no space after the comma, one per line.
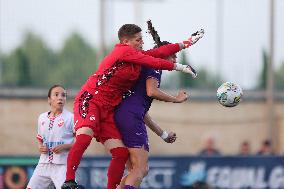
[229,94]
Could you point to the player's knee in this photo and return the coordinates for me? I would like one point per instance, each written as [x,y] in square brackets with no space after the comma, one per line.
[85,131]
[146,171]
[138,174]
[141,171]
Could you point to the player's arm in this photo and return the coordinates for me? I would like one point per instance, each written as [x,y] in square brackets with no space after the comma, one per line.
[62,147]
[41,147]
[137,57]
[164,51]
[167,137]
[170,49]
[156,93]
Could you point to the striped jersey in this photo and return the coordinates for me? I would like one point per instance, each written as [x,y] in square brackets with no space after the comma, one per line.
[53,131]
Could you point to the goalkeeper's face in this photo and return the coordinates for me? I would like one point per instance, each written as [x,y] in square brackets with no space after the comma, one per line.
[136,41]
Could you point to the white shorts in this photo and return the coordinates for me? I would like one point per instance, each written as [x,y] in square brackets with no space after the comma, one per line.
[47,175]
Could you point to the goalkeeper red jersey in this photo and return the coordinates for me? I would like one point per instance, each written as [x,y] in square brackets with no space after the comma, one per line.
[119,70]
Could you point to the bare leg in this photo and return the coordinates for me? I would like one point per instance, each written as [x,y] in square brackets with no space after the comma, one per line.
[139,160]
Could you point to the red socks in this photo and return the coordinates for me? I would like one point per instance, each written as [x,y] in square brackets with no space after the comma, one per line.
[116,168]
[75,155]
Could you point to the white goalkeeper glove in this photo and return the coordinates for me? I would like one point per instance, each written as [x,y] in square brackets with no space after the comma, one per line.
[193,38]
[186,69]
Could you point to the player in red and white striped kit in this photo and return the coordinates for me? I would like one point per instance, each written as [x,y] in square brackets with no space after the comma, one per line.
[55,138]
[94,105]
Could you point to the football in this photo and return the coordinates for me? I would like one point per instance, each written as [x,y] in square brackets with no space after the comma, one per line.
[229,94]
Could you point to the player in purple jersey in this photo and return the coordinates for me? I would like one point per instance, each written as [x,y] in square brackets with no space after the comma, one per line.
[132,115]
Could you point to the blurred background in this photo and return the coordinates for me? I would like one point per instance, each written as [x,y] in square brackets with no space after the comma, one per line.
[62,42]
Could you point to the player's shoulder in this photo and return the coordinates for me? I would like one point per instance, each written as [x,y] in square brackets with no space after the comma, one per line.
[148,70]
[125,48]
[43,115]
[67,113]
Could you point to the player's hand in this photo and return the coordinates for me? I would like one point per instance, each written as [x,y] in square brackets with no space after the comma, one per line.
[171,138]
[42,149]
[59,148]
[190,70]
[193,38]
[185,69]
[181,96]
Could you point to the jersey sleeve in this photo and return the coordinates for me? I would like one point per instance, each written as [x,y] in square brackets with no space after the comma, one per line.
[39,132]
[151,73]
[137,57]
[163,51]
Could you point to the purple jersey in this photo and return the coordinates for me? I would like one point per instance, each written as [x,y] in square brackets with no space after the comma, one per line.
[137,97]
[129,115]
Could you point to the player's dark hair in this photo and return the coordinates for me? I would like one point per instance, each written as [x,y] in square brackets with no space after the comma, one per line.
[128,31]
[162,43]
[51,88]
[154,34]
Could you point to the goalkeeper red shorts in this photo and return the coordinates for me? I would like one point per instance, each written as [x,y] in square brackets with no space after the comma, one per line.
[98,117]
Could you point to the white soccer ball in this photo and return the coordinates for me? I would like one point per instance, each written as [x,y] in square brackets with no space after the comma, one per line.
[229,94]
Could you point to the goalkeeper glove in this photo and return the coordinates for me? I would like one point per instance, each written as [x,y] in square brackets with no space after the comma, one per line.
[193,38]
[186,69]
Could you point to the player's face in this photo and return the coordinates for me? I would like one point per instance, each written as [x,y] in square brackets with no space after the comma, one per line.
[136,41]
[57,98]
